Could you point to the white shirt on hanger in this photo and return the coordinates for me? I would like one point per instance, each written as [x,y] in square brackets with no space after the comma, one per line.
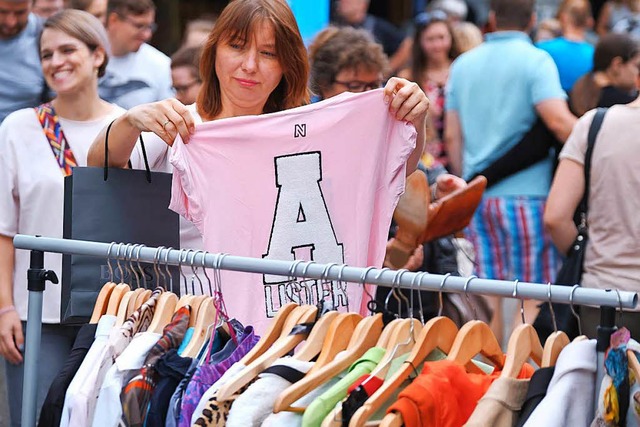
[255,404]
[94,355]
[569,399]
[109,409]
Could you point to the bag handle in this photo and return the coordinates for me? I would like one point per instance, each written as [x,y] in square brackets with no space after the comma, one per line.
[106,155]
[583,207]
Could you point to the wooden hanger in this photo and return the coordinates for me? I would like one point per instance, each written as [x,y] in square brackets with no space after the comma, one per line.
[272,334]
[392,420]
[387,332]
[281,347]
[141,299]
[196,303]
[400,342]
[123,308]
[202,329]
[165,308]
[184,301]
[115,298]
[364,337]
[439,332]
[337,339]
[553,346]
[314,342]
[102,302]
[476,337]
[524,344]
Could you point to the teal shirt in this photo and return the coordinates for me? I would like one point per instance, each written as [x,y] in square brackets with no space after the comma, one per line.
[323,405]
[495,88]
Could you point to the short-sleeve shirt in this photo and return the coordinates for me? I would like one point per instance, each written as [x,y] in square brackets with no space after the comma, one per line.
[494,88]
[32,192]
[318,182]
[611,258]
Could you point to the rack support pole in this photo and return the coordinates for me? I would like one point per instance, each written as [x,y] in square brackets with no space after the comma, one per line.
[36,282]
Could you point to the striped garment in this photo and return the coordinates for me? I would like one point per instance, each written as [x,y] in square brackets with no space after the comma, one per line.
[57,141]
[510,242]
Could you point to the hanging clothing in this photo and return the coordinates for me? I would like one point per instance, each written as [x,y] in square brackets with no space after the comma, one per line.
[298,206]
[500,405]
[324,404]
[537,390]
[256,403]
[569,399]
[210,393]
[108,408]
[76,395]
[207,374]
[445,393]
[171,368]
[51,410]
[137,393]
[83,403]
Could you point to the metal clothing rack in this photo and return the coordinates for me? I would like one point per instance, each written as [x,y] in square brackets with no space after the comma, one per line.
[301,269]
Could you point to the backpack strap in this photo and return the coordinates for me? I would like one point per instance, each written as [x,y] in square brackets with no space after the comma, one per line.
[57,141]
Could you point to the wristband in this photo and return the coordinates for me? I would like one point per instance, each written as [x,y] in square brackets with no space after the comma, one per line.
[7,309]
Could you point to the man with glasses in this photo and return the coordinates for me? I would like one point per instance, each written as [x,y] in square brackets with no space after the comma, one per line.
[137,73]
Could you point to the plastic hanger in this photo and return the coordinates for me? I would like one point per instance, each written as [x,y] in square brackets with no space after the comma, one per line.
[120,289]
[524,344]
[102,302]
[438,333]
[476,337]
[364,337]
[281,347]
[556,341]
[165,306]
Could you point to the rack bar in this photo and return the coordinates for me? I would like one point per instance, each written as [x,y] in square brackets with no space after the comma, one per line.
[310,269]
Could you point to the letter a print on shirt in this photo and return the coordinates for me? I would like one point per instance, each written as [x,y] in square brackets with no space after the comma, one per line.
[301,229]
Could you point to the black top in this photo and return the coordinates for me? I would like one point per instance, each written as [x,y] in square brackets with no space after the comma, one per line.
[54,402]
[171,369]
[537,391]
[610,95]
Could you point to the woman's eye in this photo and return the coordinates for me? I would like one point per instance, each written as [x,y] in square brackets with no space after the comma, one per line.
[269,54]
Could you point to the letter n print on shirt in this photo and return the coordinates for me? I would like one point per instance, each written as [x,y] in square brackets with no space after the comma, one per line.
[302,229]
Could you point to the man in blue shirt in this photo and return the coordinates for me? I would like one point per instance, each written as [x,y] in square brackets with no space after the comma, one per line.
[21,82]
[571,52]
[495,93]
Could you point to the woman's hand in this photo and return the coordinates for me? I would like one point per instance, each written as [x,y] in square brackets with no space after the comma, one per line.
[167,119]
[407,101]
[11,337]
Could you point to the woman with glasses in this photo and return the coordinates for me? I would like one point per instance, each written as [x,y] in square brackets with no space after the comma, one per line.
[434,49]
[345,59]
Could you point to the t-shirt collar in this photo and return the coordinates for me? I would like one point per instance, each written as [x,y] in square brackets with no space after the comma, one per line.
[507,35]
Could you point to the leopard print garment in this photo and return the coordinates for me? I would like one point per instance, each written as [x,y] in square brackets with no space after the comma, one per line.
[215,414]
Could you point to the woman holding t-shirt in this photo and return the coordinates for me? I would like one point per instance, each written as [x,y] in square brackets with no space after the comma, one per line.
[254,62]
[74,53]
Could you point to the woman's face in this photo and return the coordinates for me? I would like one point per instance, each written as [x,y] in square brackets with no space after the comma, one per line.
[67,63]
[248,71]
[353,80]
[627,74]
[436,41]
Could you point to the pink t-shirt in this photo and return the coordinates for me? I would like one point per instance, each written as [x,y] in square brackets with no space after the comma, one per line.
[318,182]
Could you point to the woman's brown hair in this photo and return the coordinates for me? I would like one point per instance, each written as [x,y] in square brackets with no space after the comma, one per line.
[238,21]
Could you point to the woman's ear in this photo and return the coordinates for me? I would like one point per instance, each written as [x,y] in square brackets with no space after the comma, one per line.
[614,67]
[99,57]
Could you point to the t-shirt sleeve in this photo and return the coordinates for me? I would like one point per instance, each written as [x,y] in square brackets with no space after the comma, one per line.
[545,82]
[9,206]
[184,196]
[576,146]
